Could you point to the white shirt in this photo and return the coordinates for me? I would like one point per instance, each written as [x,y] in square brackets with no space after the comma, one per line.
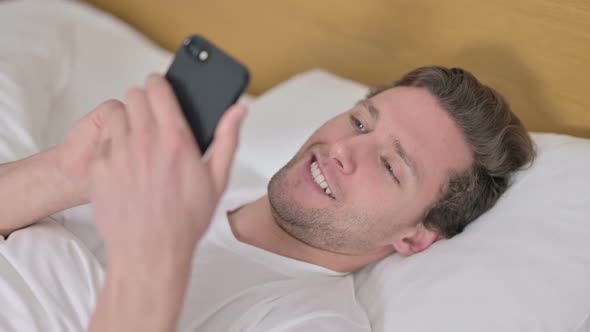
[50,279]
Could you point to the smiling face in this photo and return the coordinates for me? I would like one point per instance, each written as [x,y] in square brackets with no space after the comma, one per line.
[363,180]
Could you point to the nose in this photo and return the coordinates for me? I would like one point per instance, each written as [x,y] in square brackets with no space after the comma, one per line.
[341,155]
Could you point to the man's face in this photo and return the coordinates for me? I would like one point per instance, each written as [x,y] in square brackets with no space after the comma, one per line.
[383,162]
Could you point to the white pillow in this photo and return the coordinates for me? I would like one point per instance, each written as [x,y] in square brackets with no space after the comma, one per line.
[524,266]
[32,74]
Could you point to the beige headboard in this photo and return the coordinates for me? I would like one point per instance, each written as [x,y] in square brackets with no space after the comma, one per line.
[536,52]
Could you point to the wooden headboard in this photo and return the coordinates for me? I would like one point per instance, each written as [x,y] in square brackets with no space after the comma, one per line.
[536,52]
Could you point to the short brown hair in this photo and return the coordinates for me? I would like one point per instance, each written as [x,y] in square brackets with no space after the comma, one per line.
[499,142]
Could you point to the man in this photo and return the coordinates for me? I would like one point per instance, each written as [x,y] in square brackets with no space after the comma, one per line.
[413,163]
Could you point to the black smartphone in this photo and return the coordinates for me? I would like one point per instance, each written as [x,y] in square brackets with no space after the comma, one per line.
[206,81]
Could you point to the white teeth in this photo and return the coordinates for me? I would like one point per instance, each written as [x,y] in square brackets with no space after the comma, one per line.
[315,171]
[319,178]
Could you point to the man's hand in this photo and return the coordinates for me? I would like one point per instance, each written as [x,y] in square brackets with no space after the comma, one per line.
[52,180]
[154,197]
[151,190]
[75,153]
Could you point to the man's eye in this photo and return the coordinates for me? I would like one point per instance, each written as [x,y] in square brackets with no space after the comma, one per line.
[357,124]
[390,170]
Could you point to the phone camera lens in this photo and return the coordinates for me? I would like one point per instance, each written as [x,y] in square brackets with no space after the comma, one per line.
[203,55]
[196,51]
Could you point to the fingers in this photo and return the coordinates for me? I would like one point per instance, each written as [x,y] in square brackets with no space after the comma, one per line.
[140,114]
[118,120]
[115,122]
[103,117]
[166,109]
[112,121]
[223,148]
[104,150]
[98,114]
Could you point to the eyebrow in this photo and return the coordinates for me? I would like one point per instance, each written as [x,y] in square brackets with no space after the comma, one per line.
[397,145]
[371,108]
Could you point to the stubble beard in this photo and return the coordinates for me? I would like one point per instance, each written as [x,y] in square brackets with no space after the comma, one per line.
[315,227]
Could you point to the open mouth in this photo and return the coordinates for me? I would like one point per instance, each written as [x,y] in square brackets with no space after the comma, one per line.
[320,179]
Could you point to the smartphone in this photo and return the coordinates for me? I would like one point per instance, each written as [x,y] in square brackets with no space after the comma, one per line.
[206,81]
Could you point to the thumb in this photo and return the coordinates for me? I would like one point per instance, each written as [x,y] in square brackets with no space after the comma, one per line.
[224,145]
[104,117]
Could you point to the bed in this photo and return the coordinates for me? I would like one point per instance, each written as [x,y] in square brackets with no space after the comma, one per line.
[524,266]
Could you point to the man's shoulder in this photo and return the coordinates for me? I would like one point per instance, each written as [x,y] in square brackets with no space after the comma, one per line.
[320,304]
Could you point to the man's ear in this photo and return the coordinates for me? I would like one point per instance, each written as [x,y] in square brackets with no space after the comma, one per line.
[417,239]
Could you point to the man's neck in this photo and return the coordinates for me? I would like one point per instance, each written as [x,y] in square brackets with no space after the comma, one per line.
[254,224]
